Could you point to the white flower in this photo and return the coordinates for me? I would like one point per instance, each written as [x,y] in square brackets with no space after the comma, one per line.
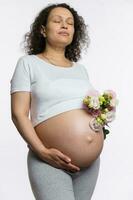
[94,102]
[110,116]
[94,125]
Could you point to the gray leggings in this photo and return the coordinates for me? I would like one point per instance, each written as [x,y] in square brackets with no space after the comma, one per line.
[51,183]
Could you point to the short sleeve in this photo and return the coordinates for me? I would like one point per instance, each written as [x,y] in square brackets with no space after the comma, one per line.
[20,80]
[85,72]
[87,77]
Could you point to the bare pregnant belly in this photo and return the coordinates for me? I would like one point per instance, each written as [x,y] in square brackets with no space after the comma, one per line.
[70,133]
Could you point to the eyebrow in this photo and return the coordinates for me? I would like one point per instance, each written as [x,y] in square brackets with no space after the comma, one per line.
[61,16]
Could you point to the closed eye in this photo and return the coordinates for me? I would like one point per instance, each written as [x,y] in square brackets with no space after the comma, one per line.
[70,23]
[57,21]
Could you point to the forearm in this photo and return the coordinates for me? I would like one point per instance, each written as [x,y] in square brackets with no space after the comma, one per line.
[26,130]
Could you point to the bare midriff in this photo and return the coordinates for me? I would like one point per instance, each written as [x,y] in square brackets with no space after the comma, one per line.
[70,133]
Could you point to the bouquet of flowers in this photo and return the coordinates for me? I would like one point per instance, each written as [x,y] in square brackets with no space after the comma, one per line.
[102,107]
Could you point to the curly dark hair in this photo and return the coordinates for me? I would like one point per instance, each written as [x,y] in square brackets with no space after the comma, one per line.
[35,43]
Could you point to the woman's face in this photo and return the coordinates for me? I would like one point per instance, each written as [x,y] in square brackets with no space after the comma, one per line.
[60,27]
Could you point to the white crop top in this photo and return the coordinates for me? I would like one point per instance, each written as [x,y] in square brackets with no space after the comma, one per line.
[54,89]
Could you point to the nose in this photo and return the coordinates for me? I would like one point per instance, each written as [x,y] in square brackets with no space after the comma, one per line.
[63,24]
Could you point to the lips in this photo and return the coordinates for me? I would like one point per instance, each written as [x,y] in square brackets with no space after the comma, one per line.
[63,33]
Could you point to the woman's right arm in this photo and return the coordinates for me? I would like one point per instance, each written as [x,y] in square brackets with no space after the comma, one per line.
[20,105]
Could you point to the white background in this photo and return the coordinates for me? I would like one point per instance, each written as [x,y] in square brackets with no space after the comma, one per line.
[109,62]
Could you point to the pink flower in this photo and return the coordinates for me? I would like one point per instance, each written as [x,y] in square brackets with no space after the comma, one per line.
[84,106]
[111,92]
[113,102]
[93,93]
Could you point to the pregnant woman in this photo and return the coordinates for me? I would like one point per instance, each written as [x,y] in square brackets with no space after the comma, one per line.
[47,90]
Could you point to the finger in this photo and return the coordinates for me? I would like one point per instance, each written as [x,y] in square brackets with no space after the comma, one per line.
[66,166]
[73,167]
[65,158]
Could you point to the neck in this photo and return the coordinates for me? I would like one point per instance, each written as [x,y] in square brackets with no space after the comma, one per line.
[54,52]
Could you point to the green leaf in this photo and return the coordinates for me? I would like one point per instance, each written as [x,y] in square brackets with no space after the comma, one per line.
[105,132]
